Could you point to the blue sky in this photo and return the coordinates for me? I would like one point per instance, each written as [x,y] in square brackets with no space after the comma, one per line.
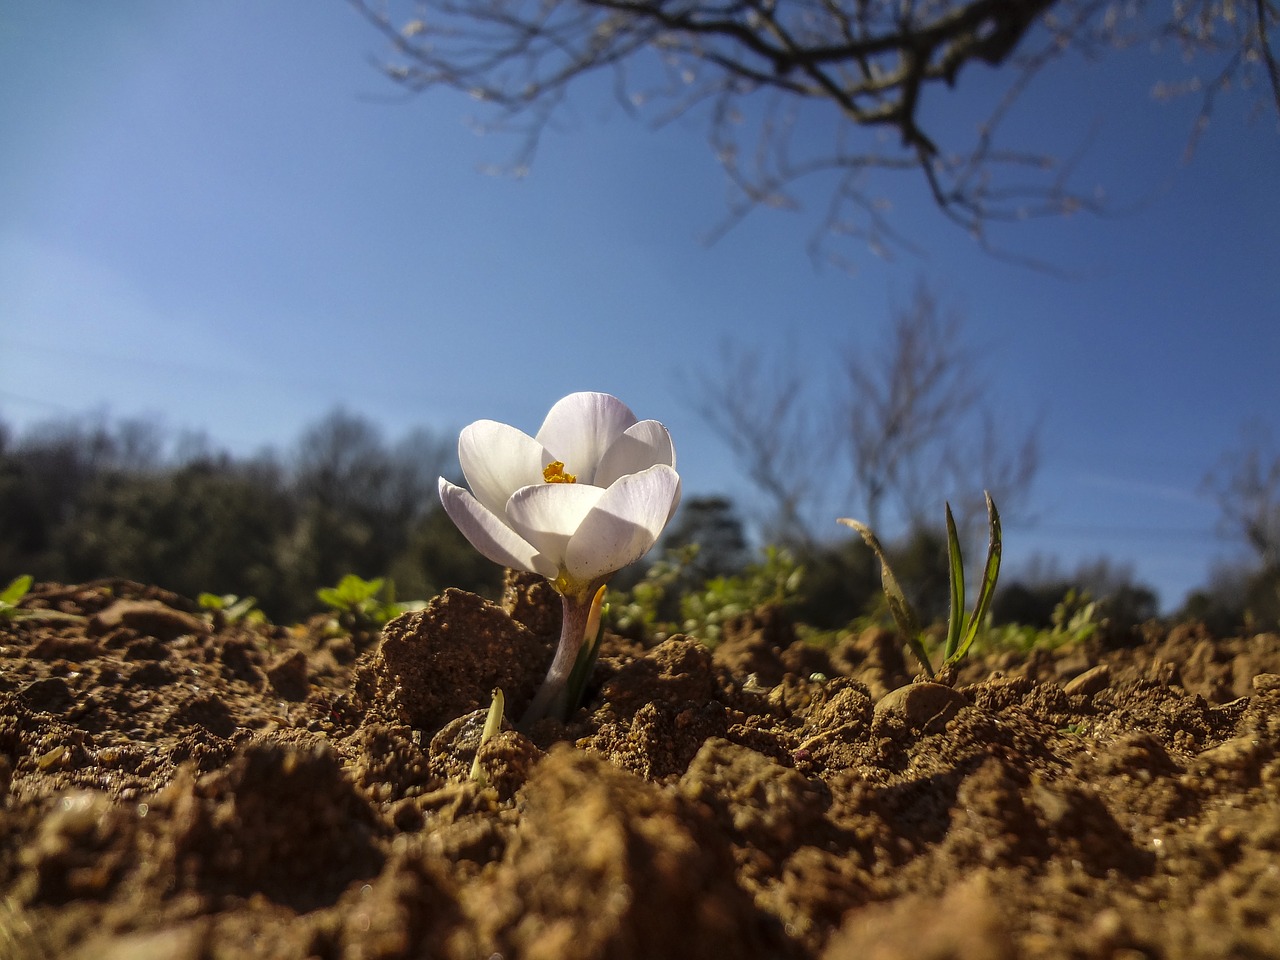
[222,215]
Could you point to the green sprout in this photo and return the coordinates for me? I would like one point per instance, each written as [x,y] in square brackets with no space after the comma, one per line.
[590,652]
[492,724]
[703,610]
[1075,619]
[12,595]
[775,582]
[961,629]
[637,612]
[234,609]
[358,604]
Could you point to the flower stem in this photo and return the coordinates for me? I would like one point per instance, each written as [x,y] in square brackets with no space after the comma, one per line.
[552,698]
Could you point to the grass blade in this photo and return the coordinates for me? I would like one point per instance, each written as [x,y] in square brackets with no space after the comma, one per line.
[990,573]
[955,622]
[16,590]
[492,724]
[904,614]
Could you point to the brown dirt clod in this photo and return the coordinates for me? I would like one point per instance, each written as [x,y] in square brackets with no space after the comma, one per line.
[175,787]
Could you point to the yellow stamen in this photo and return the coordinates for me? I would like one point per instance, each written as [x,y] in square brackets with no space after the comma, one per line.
[554,473]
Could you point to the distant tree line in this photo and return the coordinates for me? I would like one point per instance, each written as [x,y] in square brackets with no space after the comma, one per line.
[86,498]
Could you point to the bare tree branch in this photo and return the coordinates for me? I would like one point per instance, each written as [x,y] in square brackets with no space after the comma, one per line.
[757,408]
[906,427]
[1246,486]
[900,401]
[800,78]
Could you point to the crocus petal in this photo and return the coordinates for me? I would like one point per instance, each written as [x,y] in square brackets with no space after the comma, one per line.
[490,535]
[581,427]
[548,515]
[498,460]
[641,446]
[675,501]
[624,524]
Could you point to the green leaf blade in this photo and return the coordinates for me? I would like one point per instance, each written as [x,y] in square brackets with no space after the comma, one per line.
[955,561]
[990,573]
[17,589]
[904,615]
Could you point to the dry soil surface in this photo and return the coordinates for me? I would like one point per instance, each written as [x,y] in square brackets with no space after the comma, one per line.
[176,788]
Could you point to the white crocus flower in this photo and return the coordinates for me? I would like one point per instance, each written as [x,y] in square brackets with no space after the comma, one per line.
[589,494]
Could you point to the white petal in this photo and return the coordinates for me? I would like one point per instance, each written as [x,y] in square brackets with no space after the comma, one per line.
[490,534]
[624,524]
[548,515]
[675,501]
[498,460]
[641,446]
[581,427]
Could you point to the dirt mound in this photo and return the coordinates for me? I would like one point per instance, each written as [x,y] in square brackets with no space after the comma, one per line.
[172,786]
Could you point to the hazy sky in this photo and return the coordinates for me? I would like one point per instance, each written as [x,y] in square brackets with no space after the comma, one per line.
[222,214]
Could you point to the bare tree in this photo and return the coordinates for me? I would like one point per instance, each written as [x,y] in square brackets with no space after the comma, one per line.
[757,408]
[1000,459]
[912,419]
[801,89]
[908,426]
[1246,486]
[899,402]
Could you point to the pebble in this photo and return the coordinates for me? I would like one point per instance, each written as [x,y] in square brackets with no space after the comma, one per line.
[923,706]
[1266,683]
[1094,680]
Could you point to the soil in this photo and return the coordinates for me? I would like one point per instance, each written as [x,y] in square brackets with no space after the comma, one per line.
[173,787]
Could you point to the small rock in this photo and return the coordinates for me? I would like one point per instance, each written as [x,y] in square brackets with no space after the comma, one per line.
[1092,681]
[148,618]
[922,706]
[1266,683]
